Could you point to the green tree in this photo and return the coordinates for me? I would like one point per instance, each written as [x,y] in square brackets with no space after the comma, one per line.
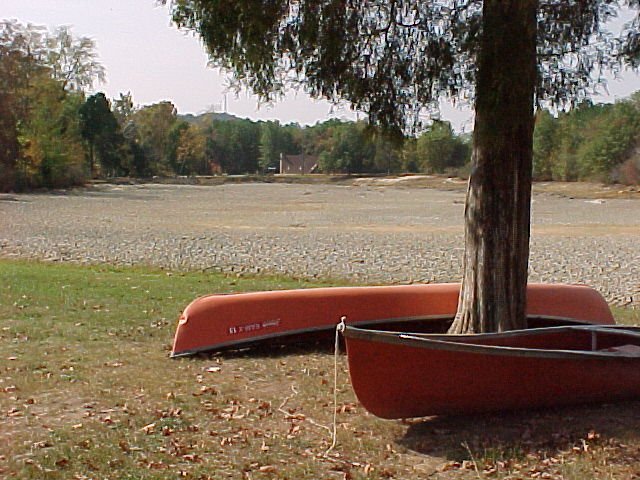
[545,141]
[153,126]
[190,152]
[9,146]
[276,140]
[319,138]
[10,61]
[39,97]
[409,160]
[351,150]
[17,68]
[52,148]
[589,142]
[393,57]
[574,125]
[123,109]
[615,135]
[388,153]
[100,129]
[270,145]
[72,61]
[234,146]
[23,48]
[439,149]
[175,138]
[133,156]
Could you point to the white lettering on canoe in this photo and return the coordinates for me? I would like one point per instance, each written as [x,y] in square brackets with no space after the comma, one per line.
[271,323]
[252,327]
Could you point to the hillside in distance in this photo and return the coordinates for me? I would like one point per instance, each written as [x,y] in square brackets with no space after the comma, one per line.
[206,117]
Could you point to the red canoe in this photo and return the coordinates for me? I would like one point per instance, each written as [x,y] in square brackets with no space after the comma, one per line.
[218,322]
[398,375]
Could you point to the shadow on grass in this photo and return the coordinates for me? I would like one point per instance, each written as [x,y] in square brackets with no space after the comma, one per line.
[513,435]
[317,341]
[300,347]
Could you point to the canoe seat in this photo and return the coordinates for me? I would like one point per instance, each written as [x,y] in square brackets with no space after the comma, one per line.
[628,349]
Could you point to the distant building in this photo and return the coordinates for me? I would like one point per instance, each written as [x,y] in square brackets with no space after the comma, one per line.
[298,164]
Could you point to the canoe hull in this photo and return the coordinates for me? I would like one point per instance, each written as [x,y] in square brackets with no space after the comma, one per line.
[405,379]
[218,322]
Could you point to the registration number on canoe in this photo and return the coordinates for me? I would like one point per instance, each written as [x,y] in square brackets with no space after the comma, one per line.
[252,327]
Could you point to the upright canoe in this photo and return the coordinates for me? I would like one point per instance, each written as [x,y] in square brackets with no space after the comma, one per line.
[401,375]
[219,322]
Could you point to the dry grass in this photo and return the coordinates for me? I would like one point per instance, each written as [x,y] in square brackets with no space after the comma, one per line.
[87,392]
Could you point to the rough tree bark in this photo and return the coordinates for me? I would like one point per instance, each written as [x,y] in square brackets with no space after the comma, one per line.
[498,205]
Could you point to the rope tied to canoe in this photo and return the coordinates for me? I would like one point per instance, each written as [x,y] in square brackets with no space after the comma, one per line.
[336,352]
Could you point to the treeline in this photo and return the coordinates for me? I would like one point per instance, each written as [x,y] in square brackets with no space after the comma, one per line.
[155,140]
[590,143]
[242,146]
[52,134]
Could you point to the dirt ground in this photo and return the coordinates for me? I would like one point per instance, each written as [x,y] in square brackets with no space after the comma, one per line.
[365,230]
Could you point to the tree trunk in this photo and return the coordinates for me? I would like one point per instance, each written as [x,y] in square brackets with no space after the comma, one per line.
[497,210]
[92,161]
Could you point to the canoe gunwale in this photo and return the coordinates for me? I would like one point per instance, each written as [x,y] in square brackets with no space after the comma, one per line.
[447,341]
[249,342]
[252,341]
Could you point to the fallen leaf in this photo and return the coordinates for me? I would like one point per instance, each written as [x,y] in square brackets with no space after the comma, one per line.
[148,429]
[124,446]
[205,389]
[449,466]
[44,444]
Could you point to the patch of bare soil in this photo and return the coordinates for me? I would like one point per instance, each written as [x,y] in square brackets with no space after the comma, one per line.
[587,190]
[583,190]
[565,189]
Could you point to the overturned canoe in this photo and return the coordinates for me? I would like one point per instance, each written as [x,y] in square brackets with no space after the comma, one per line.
[401,375]
[218,322]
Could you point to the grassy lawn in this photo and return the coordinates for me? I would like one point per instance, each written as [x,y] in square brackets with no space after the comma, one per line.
[87,392]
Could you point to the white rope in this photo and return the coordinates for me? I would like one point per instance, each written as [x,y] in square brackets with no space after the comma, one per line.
[336,352]
[473,460]
[291,416]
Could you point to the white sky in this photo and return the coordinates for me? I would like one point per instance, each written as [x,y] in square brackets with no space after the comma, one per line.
[145,55]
